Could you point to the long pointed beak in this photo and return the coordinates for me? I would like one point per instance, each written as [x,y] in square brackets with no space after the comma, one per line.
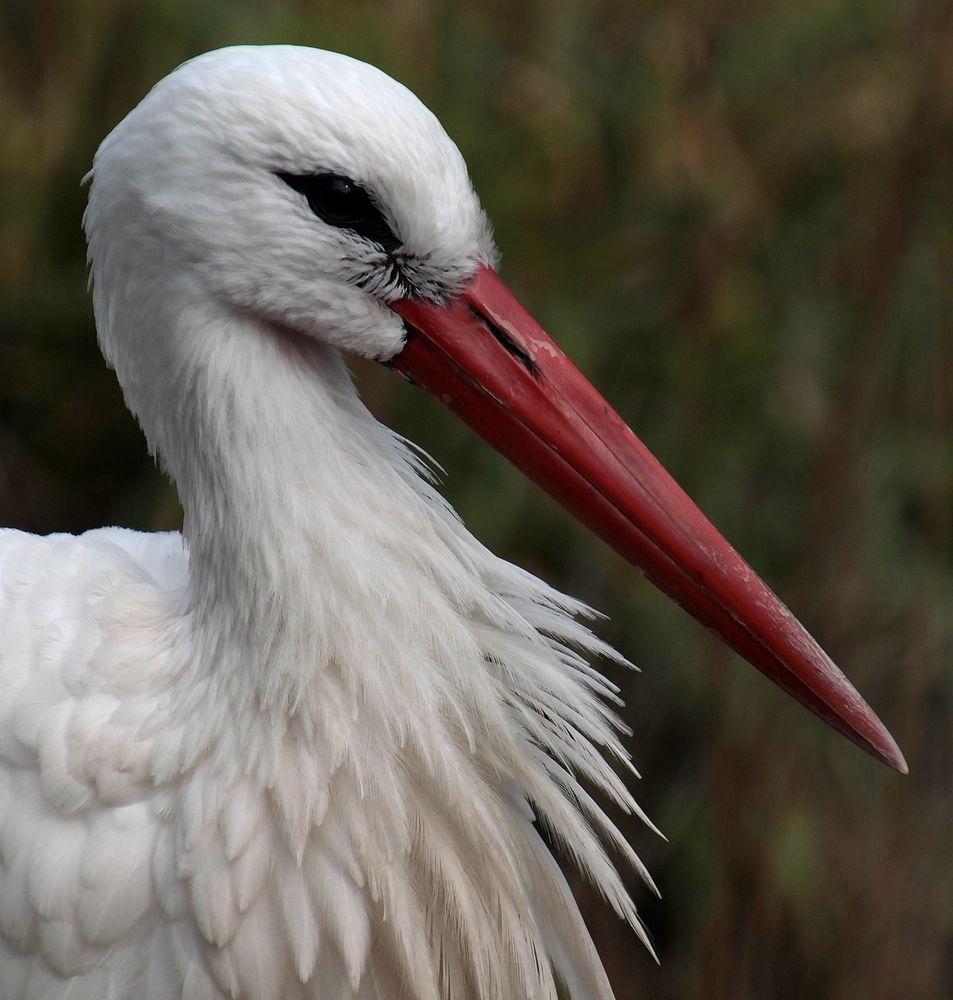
[488,360]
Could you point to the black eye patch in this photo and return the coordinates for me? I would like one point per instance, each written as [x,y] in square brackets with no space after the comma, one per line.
[341,202]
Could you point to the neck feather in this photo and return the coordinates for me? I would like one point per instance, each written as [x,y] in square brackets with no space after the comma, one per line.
[315,544]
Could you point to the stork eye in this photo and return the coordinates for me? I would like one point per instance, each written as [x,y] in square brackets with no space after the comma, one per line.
[342,203]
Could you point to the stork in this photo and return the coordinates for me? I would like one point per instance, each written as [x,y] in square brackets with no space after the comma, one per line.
[305,749]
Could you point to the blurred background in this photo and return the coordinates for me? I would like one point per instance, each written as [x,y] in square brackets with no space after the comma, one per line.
[737,217]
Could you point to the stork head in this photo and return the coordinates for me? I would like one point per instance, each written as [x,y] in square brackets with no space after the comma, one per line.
[314,193]
[304,186]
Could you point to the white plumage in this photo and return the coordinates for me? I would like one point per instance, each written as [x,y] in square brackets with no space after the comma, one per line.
[292,753]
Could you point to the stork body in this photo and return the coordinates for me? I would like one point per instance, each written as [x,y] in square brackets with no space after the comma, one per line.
[301,768]
[300,752]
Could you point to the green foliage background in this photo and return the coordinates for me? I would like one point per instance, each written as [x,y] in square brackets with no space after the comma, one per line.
[738,219]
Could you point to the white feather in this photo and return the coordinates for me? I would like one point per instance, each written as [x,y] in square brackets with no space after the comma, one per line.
[64,949]
[17,913]
[261,954]
[301,928]
[115,875]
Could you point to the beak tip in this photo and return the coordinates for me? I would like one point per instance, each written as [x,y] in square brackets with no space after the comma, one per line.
[866,730]
[894,757]
[878,742]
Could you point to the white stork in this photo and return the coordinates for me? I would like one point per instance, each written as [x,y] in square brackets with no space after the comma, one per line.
[302,751]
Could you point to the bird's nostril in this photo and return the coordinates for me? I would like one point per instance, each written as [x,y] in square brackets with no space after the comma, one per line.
[509,343]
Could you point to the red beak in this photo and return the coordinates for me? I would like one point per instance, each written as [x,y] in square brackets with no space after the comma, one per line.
[488,360]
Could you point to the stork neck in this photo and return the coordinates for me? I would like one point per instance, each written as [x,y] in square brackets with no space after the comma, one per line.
[294,499]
